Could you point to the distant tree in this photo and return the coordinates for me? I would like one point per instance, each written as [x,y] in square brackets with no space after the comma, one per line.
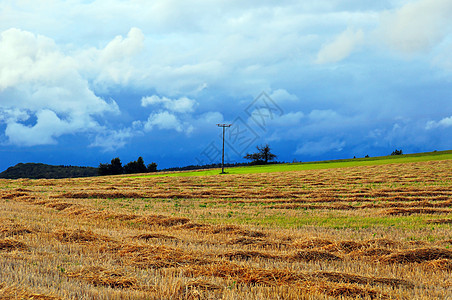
[131,167]
[263,156]
[116,166]
[141,167]
[137,166]
[104,169]
[265,153]
[255,157]
[397,152]
[367,156]
[152,167]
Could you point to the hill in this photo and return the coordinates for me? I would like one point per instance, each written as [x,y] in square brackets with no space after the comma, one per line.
[38,170]
[327,164]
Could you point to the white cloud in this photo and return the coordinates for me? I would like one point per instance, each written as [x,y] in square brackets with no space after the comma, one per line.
[209,119]
[163,120]
[177,114]
[36,79]
[12,115]
[48,127]
[446,122]
[320,147]
[288,120]
[120,48]
[341,47]
[110,140]
[181,105]
[323,115]
[417,26]
[114,64]
[281,95]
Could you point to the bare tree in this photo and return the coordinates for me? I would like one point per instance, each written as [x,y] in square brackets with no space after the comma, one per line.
[263,156]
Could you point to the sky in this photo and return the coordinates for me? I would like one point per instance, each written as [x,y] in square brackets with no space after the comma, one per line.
[82,82]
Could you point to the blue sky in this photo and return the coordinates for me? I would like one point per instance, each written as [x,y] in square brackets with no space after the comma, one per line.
[82,82]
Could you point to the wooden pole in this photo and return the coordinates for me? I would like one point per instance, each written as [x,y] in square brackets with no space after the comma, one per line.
[222,153]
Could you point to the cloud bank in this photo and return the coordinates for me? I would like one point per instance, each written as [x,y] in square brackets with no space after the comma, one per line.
[343,74]
[418,25]
[38,81]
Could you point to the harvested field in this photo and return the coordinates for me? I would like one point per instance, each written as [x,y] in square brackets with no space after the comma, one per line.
[439,265]
[367,232]
[16,292]
[417,255]
[10,245]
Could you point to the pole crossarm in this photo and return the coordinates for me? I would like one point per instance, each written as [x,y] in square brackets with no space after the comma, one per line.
[222,155]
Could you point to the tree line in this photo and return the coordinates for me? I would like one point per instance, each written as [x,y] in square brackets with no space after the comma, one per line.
[397,152]
[39,170]
[116,167]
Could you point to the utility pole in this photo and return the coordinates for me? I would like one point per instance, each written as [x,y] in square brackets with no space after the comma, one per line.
[222,156]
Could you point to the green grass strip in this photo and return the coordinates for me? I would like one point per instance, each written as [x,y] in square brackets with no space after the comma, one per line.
[335,220]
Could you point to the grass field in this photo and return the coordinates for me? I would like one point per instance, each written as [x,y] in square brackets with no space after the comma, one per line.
[342,163]
[381,230]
